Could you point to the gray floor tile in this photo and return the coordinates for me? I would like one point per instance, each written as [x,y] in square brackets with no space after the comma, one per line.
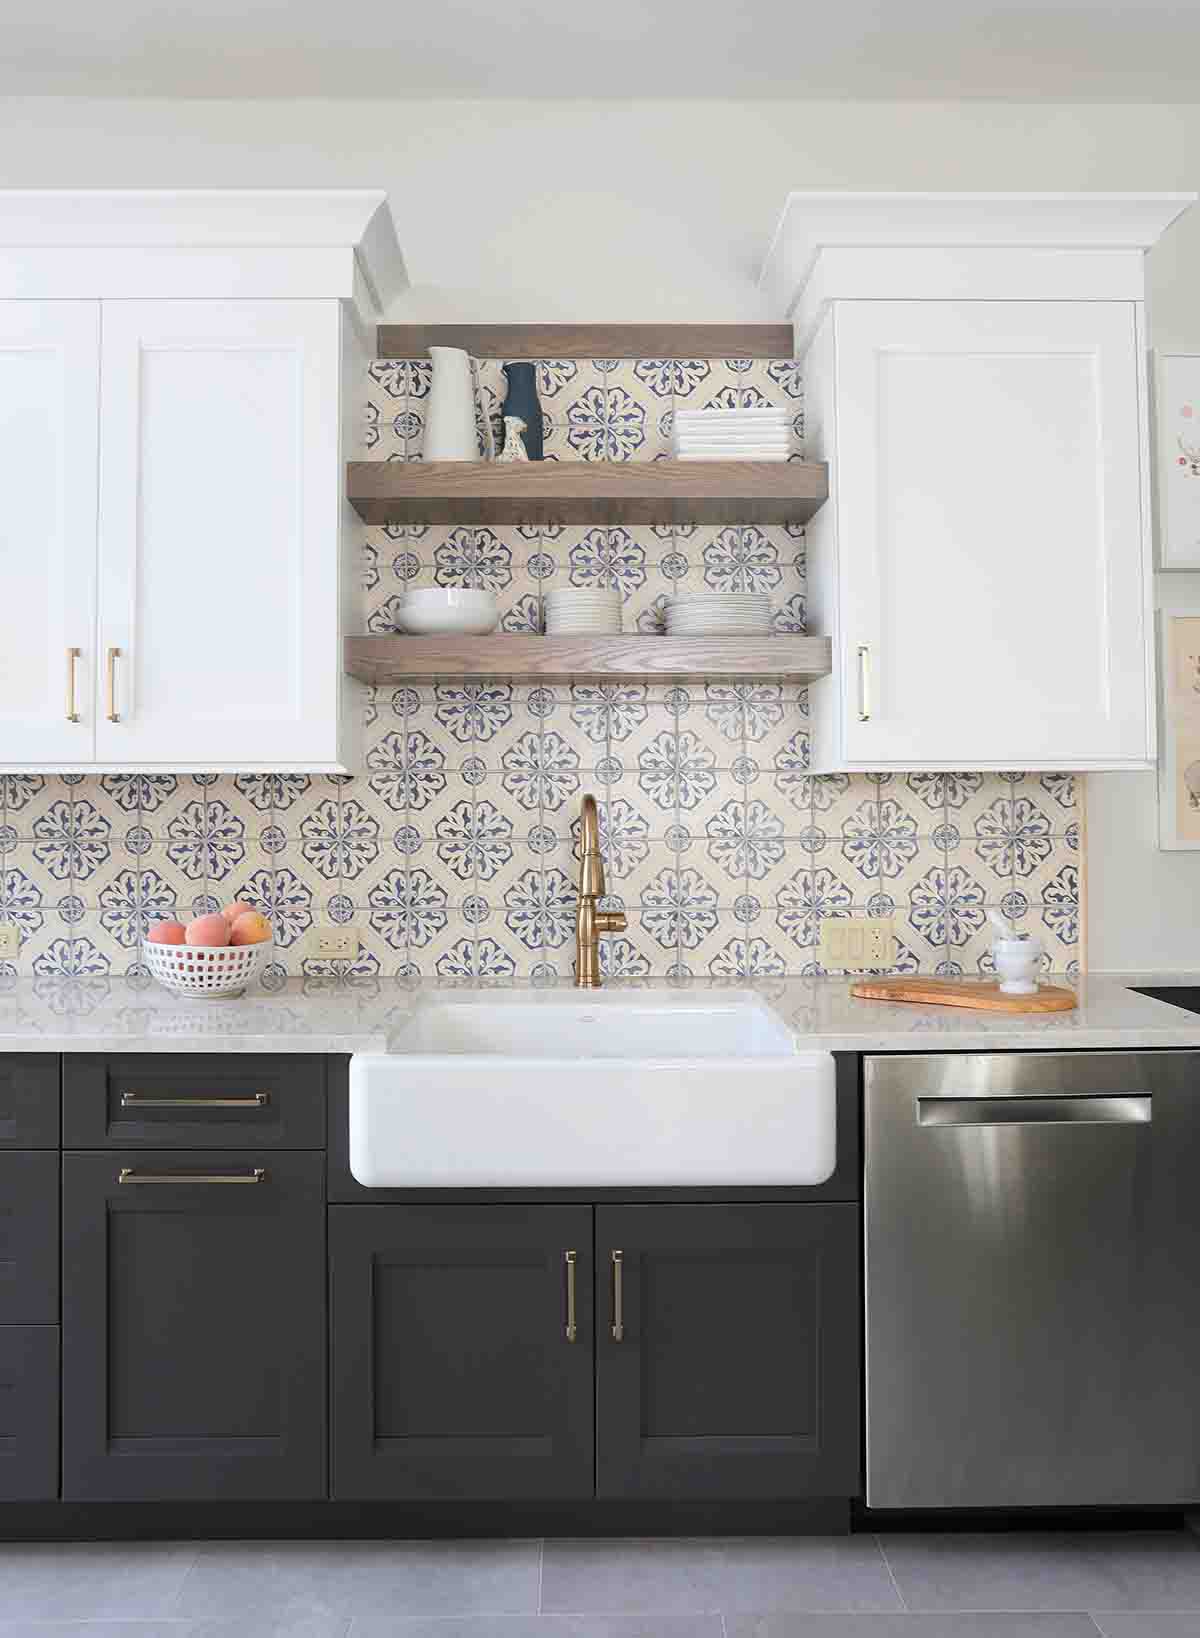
[753,1574]
[165,1627]
[546,1626]
[1070,1570]
[1148,1626]
[53,1580]
[393,1579]
[910,1626]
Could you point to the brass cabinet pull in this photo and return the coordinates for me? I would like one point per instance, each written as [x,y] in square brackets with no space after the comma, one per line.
[146,1100]
[864,682]
[113,714]
[618,1324]
[569,1260]
[72,710]
[128,1175]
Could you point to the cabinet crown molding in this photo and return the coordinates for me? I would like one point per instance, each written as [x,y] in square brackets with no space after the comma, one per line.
[813,222]
[201,242]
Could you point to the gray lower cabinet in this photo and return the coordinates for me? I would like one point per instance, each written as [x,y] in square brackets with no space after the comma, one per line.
[28,1412]
[193,1326]
[727,1351]
[457,1374]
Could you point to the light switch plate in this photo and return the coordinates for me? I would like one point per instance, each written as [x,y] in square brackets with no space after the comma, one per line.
[333,943]
[10,940]
[858,943]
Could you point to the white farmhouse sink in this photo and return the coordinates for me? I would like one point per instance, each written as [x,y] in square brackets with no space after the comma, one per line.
[539,1089]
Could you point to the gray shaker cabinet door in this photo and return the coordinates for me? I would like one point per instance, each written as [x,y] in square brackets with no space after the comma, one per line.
[727,1351]
[193,1326]
[454,1377]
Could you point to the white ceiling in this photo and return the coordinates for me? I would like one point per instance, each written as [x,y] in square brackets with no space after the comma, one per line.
[1066,50]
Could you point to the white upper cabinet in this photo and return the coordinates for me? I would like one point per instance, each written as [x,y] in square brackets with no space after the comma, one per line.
[49,364]
[983,564]
[219,517]
[173,477]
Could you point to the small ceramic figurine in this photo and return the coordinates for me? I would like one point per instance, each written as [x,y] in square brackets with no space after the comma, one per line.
[514,443]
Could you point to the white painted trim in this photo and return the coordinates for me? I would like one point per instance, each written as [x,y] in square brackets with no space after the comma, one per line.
[819,220]
[197,243]
[911,274]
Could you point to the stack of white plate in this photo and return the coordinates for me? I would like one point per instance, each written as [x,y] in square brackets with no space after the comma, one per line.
[712,614]
[572,612]
[732,435]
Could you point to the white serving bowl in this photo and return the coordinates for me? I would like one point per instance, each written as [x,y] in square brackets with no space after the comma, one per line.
[443,611]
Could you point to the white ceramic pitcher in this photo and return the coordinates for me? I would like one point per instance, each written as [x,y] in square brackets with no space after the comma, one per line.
[450,419]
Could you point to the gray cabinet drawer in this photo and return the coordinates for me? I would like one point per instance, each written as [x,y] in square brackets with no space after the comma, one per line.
[29,1238]
[230,1101]
[29,1085]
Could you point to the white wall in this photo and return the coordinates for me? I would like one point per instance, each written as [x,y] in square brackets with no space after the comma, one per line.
[560,210]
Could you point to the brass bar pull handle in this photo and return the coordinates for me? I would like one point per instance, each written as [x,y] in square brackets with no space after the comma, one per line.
[864,682]
[112,713]
[618,1324]
[127,1174]
[569,1258]
[144,1100]
[72,709]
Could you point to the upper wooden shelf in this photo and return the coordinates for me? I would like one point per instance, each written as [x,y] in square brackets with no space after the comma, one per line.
[605,492]
[634,656]
[589,340]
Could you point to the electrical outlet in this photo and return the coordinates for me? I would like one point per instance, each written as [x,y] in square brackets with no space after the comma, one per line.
[10,940]
[334,943]
[853,943]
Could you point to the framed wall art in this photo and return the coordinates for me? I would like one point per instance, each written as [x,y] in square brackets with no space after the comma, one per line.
[1177,427]
[1179,725]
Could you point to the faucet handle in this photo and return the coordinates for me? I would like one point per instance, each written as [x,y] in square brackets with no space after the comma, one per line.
[611,921]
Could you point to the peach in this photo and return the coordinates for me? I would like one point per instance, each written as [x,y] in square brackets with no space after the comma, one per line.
[250,928]
[210,930]
[166,932]
[239,907]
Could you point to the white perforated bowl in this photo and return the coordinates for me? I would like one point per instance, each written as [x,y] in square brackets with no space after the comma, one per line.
[193,969]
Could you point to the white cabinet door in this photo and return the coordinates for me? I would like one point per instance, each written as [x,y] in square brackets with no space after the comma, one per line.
[992,542]
[49,404]
[220,500]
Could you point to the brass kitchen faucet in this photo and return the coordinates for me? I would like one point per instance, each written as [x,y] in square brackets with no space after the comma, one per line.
[590,922]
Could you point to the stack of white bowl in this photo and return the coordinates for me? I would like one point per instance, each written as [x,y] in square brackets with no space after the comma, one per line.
[732,435]
[720,614]
[582,611]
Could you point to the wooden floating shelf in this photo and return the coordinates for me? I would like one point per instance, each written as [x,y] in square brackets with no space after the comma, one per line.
[604,492]
[395,659]
[589,340]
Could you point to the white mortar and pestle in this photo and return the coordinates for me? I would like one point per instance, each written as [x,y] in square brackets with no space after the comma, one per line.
[1018,957]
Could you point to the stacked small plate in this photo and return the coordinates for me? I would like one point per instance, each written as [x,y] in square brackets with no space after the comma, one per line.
[712,614]
[578,612]
[732,435]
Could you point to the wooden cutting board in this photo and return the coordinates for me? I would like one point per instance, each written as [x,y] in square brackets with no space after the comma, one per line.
[964,992]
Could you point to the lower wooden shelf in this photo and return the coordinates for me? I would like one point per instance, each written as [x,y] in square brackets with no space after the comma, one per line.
[394,658]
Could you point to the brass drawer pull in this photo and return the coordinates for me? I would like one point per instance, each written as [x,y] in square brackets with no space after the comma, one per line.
[569,1260]
[113,714]
[618,1324]
[72,659]
[148,1100]
[128,1175]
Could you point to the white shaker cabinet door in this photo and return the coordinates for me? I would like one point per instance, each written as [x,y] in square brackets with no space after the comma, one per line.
[992,539]
[220,501]
[49,403]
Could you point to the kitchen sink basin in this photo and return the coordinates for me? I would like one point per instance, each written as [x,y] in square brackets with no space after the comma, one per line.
[538,1089]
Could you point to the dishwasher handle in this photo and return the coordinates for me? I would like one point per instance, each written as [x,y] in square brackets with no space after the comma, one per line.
[1129,1109]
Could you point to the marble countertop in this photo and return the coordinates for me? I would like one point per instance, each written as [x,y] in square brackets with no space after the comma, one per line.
[323,1016]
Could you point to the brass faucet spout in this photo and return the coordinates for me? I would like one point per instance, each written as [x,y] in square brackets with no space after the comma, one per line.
[589,921]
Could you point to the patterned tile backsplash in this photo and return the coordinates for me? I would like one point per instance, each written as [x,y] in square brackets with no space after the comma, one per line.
[454,851]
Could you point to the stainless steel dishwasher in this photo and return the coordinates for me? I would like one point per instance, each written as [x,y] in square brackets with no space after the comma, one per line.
[1033,1279]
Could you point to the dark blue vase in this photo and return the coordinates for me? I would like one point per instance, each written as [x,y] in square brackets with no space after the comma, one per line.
[522,399]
